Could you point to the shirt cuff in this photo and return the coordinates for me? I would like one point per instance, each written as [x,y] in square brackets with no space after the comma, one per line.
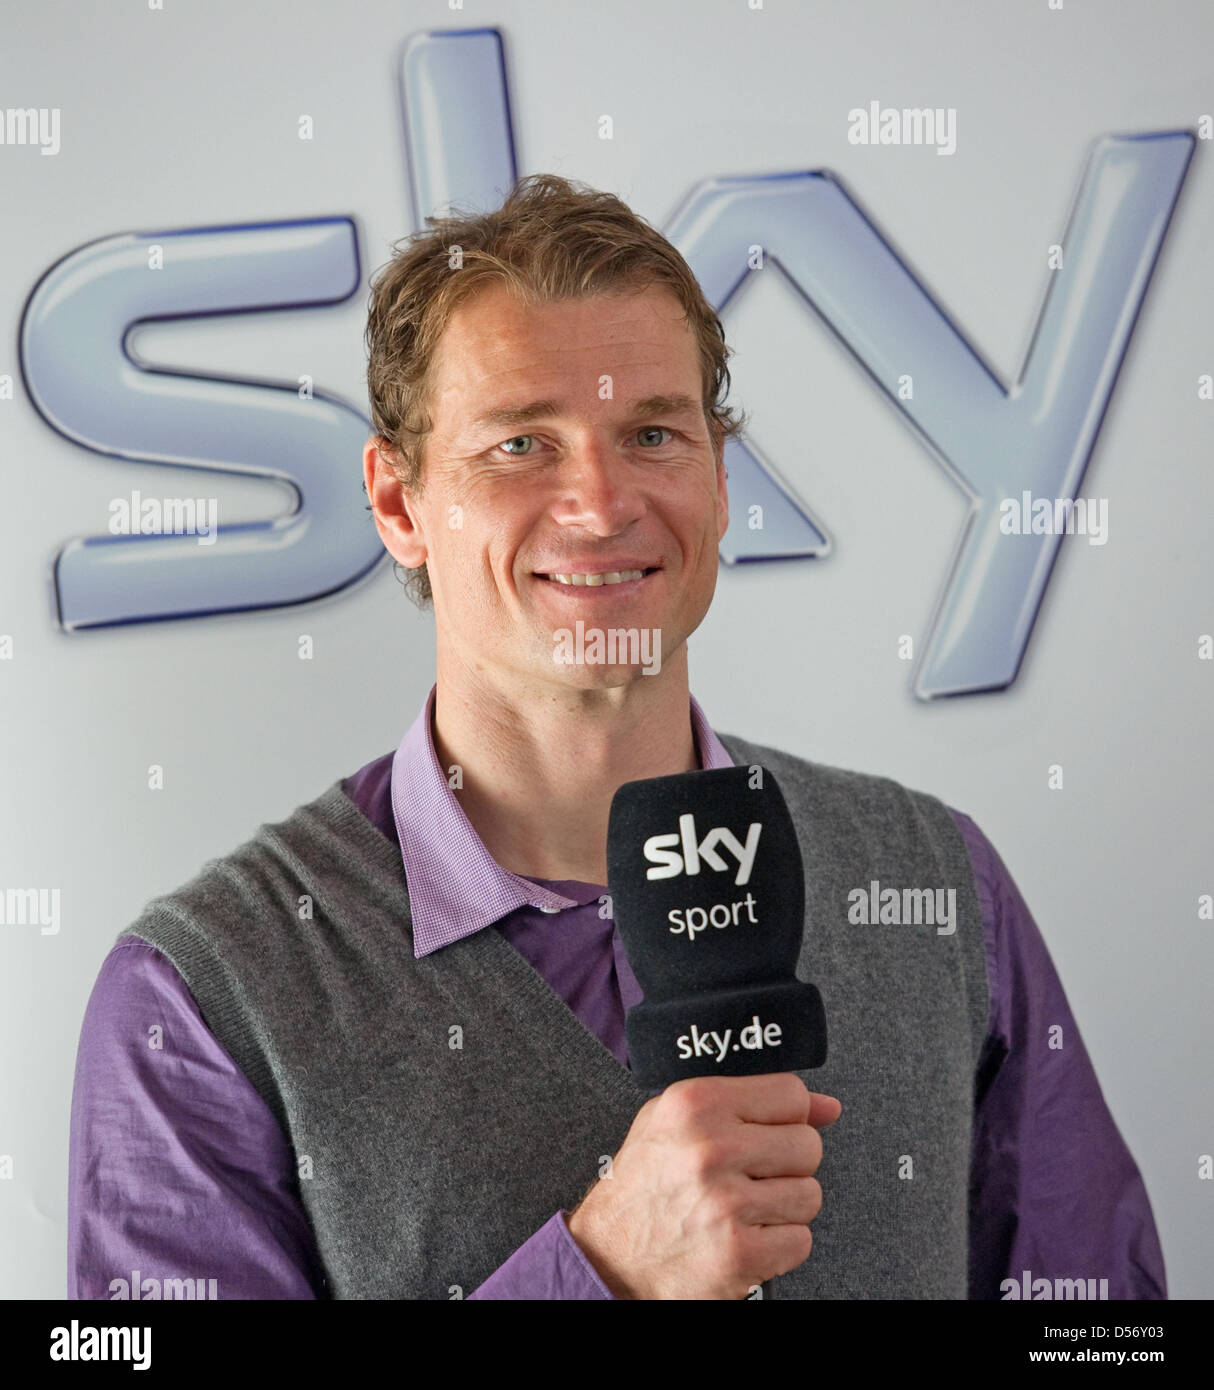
[551,1264]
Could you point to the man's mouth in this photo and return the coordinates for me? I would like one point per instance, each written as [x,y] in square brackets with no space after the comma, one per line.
[578,579]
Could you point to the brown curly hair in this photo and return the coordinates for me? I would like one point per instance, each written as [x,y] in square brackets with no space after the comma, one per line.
[552,239]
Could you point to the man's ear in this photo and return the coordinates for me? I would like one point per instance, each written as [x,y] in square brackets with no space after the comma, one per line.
[396,515]
[722,492]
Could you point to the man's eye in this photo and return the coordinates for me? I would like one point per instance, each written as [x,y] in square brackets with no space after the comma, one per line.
[654,429]
[518,439]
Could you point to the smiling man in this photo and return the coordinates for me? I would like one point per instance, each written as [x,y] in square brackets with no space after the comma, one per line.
[393,1059]
[607,512]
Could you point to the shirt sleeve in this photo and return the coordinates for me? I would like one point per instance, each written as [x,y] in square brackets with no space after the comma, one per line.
[1054,1190]
[177,1168]
[549,1265]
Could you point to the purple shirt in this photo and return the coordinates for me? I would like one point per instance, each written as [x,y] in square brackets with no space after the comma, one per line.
[177,1167]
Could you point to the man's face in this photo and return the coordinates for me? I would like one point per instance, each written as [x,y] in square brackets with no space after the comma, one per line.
[569,439]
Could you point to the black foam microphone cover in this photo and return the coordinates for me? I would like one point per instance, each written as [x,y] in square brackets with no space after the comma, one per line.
[708,892]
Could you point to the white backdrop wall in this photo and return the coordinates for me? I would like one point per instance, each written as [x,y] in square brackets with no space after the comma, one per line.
[188,116]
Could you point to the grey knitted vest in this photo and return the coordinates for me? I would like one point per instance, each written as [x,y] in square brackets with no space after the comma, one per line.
[448,1106]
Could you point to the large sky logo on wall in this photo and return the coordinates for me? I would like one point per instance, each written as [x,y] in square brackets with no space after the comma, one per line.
[994,441]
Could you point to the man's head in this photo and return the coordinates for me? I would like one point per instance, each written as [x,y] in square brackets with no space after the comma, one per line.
[563,297]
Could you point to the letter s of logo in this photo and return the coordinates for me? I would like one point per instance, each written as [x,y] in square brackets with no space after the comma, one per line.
[658,850]
[86,385]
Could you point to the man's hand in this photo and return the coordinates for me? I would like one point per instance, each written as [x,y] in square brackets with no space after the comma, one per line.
[712,1191]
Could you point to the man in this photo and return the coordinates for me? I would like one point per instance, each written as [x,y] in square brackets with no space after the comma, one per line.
[393,1055]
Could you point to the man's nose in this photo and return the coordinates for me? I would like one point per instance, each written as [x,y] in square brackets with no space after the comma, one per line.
[599,487]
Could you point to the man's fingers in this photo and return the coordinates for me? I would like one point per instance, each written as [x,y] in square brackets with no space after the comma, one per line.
[823,1110]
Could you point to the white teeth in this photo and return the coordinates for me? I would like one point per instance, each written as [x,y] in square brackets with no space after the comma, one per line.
[594,580]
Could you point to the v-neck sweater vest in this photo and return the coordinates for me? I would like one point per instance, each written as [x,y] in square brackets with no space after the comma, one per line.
[442,1109]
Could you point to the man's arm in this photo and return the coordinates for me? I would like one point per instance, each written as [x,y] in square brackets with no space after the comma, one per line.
[1054,1190]
[179,1170]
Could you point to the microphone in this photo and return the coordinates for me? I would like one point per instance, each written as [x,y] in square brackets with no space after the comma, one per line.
[708,890]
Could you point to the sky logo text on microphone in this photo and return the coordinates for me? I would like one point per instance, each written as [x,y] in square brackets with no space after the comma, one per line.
[680,852]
